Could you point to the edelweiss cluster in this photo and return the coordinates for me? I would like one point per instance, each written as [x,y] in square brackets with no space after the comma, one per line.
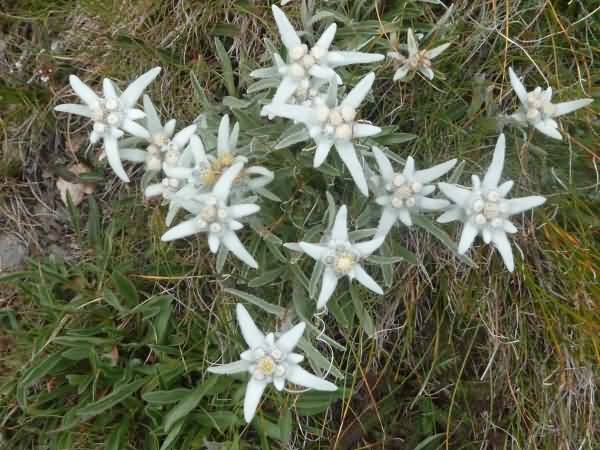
[219,188]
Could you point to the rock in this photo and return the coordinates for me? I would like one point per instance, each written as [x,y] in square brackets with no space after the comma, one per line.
[12,252]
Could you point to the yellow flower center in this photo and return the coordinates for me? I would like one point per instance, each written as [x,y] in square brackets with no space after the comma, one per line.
[266,365]
[344,263]
[217,167]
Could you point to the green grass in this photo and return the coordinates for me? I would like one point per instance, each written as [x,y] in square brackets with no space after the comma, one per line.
[106,345]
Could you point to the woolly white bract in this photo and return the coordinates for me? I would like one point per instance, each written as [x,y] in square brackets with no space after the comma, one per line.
[269,360]
[112,114]
[417,60]
[216,217]
[484,210]
[307,69]
[406,193]
[341,257]
[334,125]
[537,109]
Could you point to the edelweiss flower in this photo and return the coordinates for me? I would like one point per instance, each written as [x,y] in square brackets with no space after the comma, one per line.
[403,194]
[537,109]
[335,125]
[216,218]
[162,145]
[207,169]
[303,63]
[341,258]
[112,114]
[269,360]
[485,210]
[417,60]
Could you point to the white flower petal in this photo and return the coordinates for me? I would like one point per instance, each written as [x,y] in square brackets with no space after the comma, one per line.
[347,153]
[295,358]
[401,73]
[315,251]
[486,234]
[86,94]
[285,90]
[152,119]
[366,248]
[567,107]
[505,187]
[455,193]
[279,383]
[234,136]
[451,215]
[184,229]
[288,34]
[288,340]
[437,51]
[181,173]
[469,233]
[301,377]
[293,112]
[108,89]
[501,242]
[213,242]
[183,137]
[73,108]
[360,130]
[413,47]
[346,58]
[233,243]
[509,227]
[409,168]
[328,285]
[254,392]
[327,37]
[433,173]
[517,205]
[360,91]
[135,129]
[323,149]
[323,73]
[548,127]
[517,86]
[223,135]
[339,231]
[404,217]
[111,149]
[243,210]
[427,72]
[153,190]
[365,279]
[494,172]
[230,368]
[250,332]
[384,164]
[432,204]
[386,222]
[222,187]
[169,127]
[135,114]
[130,96]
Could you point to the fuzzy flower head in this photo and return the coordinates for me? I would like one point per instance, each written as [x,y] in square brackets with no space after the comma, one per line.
[306,64]
[269,360]
[215,217]
[341,258]
[205,169]
[164,146]
[417,60]
[406,193]
[485,210]
[335,125]
[537,109]
[112,114]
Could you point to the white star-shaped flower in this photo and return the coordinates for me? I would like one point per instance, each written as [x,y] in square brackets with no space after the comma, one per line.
[269,360]
[341,257]
[330,124]
[206,168]
[417,60]
[216,218]
[304,64]
[403,194]
[112,114]
[162,145]
[484,210]
[537,109]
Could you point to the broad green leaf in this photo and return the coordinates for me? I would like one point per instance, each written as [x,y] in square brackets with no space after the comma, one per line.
[441,235]
[256,301]
[166,397]
[188,404]
[120,393]
[361,312]
[227,68]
